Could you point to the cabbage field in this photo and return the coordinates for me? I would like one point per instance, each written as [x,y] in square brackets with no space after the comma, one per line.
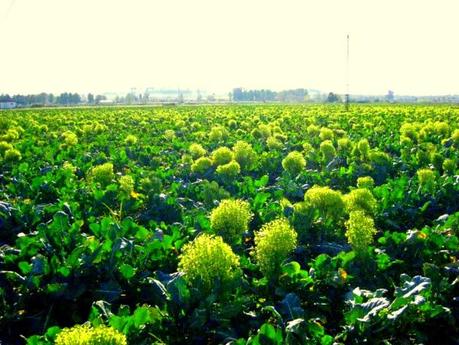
[234,224]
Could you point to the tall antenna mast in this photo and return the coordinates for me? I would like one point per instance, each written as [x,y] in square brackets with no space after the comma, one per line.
[346,102]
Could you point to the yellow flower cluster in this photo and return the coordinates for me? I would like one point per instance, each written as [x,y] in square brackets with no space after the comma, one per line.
[130,140]
[201,165]
[360,199]
[102,174]
[86,335]
[273,244]
[196,150]
[329,202]
[127,184]
[360,230]
[208,260]
[230,219]
[229,171]
[222,155]
[245,155]
[294,163]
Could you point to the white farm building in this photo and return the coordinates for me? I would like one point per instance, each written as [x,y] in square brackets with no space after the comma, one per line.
[7,105]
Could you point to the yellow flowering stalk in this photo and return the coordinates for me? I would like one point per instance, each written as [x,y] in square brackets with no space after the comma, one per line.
[328,150]
[360,230]
[245,155]
[328,201]
[102,174]
[229,171]
[196,150]
[230,219]
[360,199]
[86,335]
[294,163]
[426,179]
[130,140]
[208,260]
[222,155]
[273,244]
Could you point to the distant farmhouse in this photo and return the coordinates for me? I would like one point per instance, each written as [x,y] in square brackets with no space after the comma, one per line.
[7,105]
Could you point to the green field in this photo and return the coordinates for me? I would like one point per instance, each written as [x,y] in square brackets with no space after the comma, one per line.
[254,224]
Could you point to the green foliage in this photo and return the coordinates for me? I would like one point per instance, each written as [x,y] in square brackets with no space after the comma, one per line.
[231,219]
[78,234]
[360,230]
[273,244]
[294,163]
[207,261]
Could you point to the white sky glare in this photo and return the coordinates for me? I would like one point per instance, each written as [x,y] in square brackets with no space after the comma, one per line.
[411,47]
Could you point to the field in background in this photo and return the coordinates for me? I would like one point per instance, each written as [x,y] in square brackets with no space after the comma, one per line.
[97,205]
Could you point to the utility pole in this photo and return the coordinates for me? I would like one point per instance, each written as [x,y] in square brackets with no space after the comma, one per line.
[346,102]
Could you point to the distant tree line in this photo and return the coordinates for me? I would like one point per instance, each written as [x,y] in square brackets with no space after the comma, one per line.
[42,99]
[264,95]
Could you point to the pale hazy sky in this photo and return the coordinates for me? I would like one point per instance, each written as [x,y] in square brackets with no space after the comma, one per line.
[411,47]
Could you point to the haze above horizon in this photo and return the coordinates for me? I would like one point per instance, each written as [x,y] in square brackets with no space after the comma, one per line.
[98,46]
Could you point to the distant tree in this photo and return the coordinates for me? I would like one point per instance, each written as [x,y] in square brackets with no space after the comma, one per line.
[238,95]
[90,98]
[390,96]
[333,98]
[100,98]
[180,98]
